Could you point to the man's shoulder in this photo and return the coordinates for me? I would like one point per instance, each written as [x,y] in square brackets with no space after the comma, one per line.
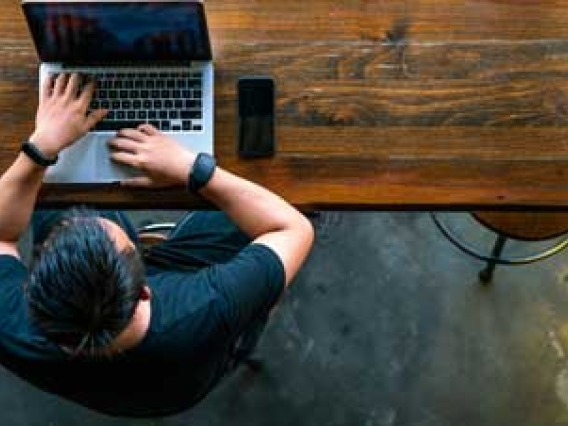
[13,274]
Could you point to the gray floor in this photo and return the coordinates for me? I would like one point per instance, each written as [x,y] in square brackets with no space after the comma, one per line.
[385,325]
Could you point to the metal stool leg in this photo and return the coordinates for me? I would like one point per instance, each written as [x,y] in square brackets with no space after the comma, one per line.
[486,274]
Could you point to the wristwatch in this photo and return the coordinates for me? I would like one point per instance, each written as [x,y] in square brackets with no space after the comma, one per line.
[35,154]
[201,172]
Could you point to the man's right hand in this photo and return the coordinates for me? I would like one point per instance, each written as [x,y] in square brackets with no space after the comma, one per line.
[163,160]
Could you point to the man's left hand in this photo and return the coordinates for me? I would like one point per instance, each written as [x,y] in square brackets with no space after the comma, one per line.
[62,113]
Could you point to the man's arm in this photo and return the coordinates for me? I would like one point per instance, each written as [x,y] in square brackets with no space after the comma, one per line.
[262,215]
[61,119]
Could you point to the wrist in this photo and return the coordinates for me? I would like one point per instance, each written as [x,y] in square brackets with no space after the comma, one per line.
[37,155]
[44,144]
[187,165]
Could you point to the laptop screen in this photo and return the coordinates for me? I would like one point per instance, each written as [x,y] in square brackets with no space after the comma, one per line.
[119,32]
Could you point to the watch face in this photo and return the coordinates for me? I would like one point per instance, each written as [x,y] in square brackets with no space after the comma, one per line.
[201,172]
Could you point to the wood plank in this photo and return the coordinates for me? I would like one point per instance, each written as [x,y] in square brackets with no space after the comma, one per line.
[417,20]
[371,183]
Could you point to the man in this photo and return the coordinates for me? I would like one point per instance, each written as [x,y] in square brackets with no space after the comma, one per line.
[86,322]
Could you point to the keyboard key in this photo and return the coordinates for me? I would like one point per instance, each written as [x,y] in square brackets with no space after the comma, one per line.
[163,115]
[144,93]
[178,104]
[123,94]
[147,104]
[152,115]
[113,94]
[168,104]
[173,115]
[134,94]
[155,93]
[165,125]
[142,115]
[115,104]
[131,115]
[117,125]
[176,94]
[193,104]
[186,125]
[186,93]
[166,94]
[136,104]
[126,105]
[197,128]
[120,115]
[171,84]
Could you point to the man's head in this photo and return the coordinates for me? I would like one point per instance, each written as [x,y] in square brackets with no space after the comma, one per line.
[85,284]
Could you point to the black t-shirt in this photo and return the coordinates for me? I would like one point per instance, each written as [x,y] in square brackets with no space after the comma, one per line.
[195,320]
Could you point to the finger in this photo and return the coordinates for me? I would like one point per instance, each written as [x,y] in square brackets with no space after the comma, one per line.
[138,182]
[148,129]
[47,87]
[124,158]
[73,86]
[60,85]
[124,145]
[133,134]
[87,93]
[94,117]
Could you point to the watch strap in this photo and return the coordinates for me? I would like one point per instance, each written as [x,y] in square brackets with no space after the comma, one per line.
[36,155]
[201,172]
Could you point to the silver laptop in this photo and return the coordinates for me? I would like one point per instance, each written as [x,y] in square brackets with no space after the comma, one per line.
[153,64]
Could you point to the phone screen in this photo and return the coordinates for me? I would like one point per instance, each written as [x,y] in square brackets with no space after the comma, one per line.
[256,117]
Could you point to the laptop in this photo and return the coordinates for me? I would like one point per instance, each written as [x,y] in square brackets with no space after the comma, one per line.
[153,64]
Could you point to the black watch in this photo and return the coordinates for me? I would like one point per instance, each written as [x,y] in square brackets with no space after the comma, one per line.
[201,172]
[35,154]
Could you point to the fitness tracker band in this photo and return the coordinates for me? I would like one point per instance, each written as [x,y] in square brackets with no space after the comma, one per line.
[201,172]
[35,154]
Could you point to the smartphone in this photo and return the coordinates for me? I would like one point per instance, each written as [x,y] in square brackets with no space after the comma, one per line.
[256,117]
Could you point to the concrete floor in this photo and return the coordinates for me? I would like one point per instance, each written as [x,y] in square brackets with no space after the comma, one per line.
[385,325]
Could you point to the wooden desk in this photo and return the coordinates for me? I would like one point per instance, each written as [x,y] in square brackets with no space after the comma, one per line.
[381,104]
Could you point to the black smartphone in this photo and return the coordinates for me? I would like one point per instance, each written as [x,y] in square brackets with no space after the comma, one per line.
[256,117]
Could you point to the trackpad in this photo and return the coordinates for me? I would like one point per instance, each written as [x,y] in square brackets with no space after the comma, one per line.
[88,161]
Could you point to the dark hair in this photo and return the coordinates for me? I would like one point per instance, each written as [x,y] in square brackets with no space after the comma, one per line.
[82,291]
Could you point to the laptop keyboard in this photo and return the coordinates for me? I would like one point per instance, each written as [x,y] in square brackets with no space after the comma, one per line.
[170,101]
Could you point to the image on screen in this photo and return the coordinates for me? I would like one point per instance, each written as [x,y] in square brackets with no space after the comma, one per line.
[118,32]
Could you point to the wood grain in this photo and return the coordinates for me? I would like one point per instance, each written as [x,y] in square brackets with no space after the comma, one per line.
[380,104]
